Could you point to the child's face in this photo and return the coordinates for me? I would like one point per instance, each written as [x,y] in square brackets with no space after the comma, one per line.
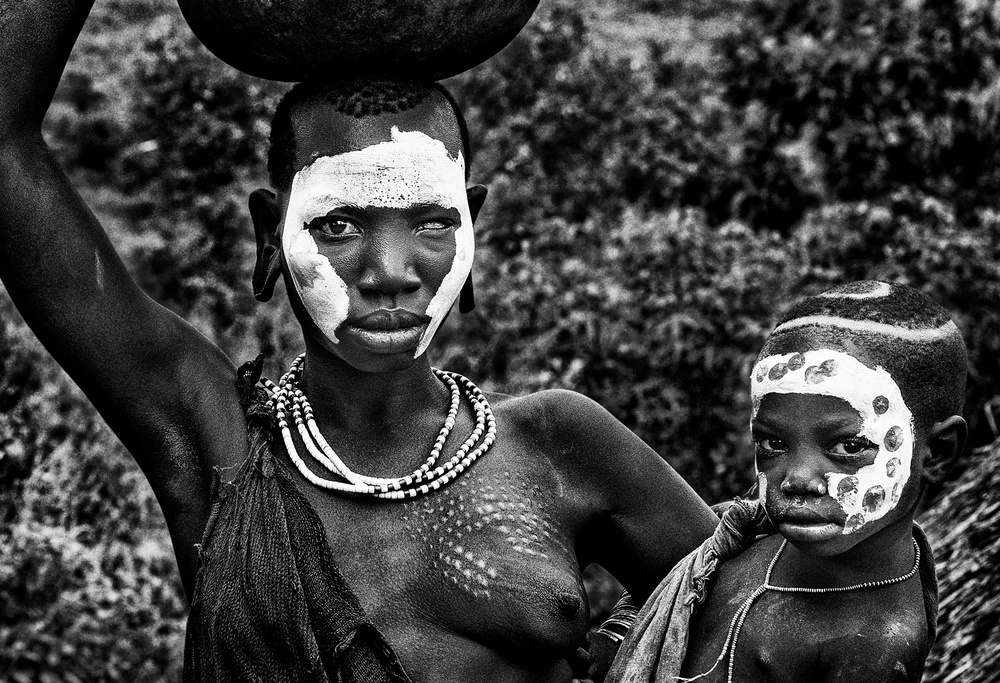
[834,449]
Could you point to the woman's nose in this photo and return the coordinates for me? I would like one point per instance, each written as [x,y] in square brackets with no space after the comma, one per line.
[389,268]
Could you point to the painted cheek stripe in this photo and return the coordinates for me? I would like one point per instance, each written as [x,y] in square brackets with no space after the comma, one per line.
[322,291]
[886,421]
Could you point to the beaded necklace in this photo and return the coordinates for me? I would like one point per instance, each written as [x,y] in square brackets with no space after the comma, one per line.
[287,398]
[736,625]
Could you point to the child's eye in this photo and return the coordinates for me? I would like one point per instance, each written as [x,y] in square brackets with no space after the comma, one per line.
[329,226]
[769,447]
[854,448]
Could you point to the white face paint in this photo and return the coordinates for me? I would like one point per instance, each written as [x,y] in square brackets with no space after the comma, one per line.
[874,489]
[761,487]
[411,169]
[874,290]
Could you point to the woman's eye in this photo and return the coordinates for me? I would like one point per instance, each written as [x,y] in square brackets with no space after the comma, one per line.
[769,446]
[854,447]
[333,227]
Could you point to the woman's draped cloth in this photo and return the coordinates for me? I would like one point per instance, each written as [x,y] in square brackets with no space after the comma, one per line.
[654,650]
[270,603]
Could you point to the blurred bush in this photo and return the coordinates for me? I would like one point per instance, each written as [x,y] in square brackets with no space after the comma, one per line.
[88,583]
[650,216]
[654,205]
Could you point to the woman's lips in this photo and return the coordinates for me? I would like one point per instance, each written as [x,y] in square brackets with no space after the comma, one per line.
[388,319]
[387,331]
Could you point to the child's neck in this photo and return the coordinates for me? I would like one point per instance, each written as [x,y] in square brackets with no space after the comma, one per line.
[886,554]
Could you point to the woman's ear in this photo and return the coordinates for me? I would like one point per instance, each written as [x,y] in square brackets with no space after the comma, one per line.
[945,444]
[476,195]
[266,215]
[467,298]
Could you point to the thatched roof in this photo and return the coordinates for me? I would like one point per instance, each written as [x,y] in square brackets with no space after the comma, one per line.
[964,530]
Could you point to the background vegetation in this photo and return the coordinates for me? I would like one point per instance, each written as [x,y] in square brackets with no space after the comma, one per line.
[665,177]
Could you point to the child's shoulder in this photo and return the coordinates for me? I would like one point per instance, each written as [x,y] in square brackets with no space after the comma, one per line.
[897,654]
[873,633]
[861,635]
[878,633]
[881,630]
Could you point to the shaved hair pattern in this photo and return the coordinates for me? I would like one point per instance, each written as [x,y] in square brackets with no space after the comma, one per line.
[878,302]
[352,97]
[891,326]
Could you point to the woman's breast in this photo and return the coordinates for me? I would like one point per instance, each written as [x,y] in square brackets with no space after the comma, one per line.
[489,559]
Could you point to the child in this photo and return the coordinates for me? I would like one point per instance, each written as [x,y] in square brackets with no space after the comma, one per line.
[856,401]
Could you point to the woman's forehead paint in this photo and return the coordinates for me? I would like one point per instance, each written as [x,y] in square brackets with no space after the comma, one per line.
[886,421]
[410,169]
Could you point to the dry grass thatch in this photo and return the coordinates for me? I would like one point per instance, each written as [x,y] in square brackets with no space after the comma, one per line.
[964,530]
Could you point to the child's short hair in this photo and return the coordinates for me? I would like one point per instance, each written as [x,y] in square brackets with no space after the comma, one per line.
[894,326]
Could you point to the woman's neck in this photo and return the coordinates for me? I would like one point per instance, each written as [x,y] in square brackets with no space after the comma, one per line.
[359,401]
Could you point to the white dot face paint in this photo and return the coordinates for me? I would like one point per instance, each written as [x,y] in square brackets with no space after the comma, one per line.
[409,170]
[874,490]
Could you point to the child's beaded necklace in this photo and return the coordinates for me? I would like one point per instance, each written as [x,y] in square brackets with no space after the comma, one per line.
[736,625]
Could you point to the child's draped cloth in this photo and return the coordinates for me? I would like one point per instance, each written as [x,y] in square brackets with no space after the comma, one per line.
[654,650]
[270,603]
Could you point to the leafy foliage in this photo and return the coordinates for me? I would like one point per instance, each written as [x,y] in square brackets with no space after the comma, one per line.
[855,100]
[88,583]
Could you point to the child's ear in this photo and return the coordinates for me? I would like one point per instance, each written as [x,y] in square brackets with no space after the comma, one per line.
[946,443]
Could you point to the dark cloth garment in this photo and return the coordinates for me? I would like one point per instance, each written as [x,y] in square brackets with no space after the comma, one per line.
[270,603]
[654,650]
[655,646]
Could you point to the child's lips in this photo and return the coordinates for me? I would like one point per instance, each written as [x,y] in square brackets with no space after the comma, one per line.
[809,533]
[807,527]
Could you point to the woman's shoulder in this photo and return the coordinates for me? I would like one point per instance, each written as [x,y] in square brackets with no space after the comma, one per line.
[552,408]
[577,429]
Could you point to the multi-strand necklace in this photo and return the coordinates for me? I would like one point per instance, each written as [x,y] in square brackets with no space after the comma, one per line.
[736,625]
[288,401]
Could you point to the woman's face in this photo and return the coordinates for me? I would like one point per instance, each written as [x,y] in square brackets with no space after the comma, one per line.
[377,240]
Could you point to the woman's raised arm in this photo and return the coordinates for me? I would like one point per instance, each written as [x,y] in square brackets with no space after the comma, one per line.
[161,386]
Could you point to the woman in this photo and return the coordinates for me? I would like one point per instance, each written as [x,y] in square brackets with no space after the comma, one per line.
[467,568]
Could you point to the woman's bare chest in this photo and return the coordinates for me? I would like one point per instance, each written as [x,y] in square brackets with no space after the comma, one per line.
[489,558]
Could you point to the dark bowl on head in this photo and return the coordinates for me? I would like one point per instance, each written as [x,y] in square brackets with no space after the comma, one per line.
[297,39]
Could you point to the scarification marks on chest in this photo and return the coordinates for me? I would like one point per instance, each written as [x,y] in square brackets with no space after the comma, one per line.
[471,527]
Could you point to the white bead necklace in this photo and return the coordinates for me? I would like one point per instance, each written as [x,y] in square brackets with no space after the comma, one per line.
[287,399]
[736,625]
